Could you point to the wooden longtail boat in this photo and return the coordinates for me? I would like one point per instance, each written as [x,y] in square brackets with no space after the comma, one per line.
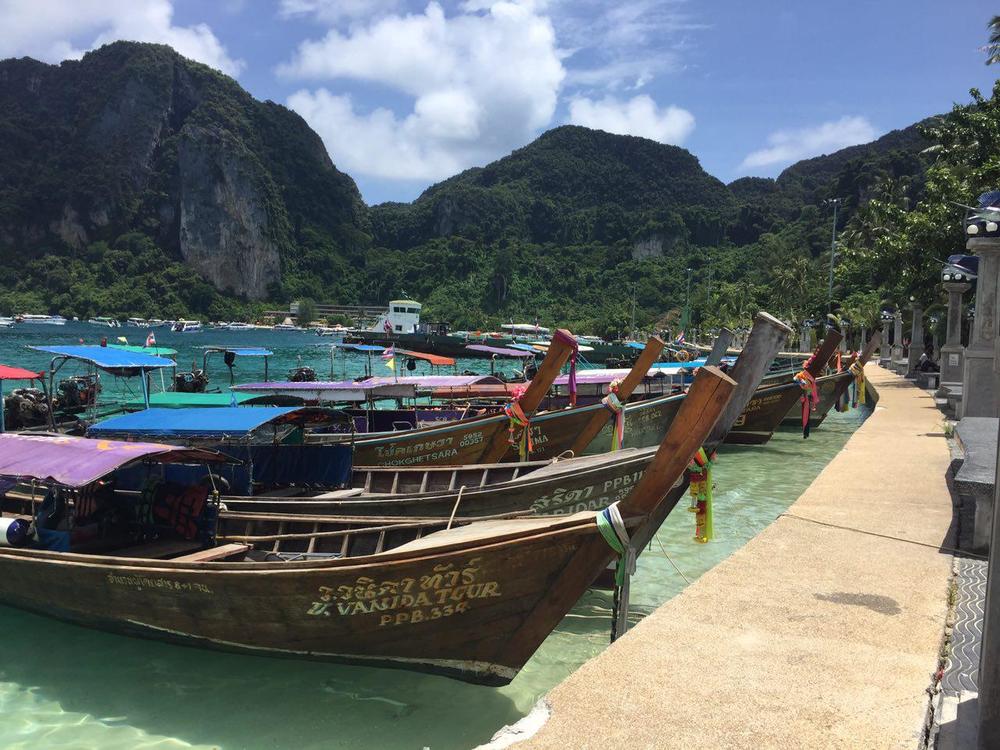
[773,402]
[832,387]
[472,601]
[553,486]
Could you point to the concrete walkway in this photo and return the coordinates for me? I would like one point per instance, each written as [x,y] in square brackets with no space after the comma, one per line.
[811,636]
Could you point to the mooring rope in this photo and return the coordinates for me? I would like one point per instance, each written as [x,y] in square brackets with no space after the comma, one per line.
[939,547]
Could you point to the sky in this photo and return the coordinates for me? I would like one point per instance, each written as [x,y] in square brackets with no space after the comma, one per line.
[406,93]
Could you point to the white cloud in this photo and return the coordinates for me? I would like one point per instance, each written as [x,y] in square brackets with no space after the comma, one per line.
[636,116]
[482,83]
[51,30]
[624,44]
[786,146]
[336,11]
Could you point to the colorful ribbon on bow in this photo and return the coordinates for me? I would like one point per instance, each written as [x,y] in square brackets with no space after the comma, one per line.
[617,408]
[519,430]
[858,386]
[700,487]
[809,399]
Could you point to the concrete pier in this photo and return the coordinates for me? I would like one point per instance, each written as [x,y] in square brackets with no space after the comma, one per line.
[823,632]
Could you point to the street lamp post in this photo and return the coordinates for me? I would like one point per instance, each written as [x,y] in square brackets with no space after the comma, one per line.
[835,202]
[687,301]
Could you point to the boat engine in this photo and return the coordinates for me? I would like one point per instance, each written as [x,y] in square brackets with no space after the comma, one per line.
[194,381]
[77,392]
[25,407]
[302,375]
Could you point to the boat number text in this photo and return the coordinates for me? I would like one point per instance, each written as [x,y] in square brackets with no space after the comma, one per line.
[446,591]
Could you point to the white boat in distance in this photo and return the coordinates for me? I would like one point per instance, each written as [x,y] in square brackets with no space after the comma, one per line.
[6,322]
[52,320]
[137,323]
[107,322]
[187,326]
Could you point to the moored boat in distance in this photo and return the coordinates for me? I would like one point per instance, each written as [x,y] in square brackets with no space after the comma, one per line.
[137,323]
[106,322]
[6,322]
[187,326]
[33,319]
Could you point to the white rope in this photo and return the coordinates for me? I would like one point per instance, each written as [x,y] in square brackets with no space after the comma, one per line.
[454,510]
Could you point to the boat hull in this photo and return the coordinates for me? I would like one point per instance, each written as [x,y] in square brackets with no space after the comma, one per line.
[475,610]
[587,484]
[831,388]
[553,433]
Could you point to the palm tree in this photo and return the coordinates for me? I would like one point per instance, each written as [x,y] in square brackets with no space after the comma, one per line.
[993,48]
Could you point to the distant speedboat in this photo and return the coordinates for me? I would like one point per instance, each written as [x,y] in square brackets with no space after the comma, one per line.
[187,326]
[285,327]
[239,326]
[138,323]
[6,322]
[107,322]
[51,320]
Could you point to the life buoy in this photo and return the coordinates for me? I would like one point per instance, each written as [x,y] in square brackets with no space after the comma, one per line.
[683,356]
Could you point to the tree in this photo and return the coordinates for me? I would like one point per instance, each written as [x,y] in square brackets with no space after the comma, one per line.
[307,312]
[993,48]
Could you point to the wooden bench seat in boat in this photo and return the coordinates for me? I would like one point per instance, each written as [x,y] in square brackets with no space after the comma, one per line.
[214,553]
[336,494]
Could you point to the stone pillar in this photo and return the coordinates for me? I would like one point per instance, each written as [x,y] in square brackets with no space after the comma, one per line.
[885,349]
[916,339]
[953,353]
[863,338]
[981,380]
[897,339]
[805,341]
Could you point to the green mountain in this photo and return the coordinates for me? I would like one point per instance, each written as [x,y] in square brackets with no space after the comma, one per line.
[134,138]
[135,181]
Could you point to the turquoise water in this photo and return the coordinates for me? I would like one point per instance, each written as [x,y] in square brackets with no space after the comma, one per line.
[291,349]
[63,686]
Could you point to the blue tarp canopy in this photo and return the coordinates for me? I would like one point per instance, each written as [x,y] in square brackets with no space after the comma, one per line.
[635,345]
[231,421]
[523,347]
[116,361]
[241,351]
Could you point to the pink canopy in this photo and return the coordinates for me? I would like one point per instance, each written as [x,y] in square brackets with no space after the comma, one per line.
[75,461]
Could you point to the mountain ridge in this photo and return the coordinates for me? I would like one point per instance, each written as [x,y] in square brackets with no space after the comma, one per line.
[136,160]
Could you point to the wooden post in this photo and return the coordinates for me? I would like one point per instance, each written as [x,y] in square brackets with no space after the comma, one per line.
[870,347]
[989,657]
[562,346]
[766,337]
[825,352]
[720,347]
[600,417]
[705,401]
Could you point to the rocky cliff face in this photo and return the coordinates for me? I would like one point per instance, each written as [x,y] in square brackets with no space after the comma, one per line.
[225,230]
[134,136]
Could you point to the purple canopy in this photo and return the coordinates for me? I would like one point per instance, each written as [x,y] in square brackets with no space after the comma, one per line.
[75,462]
[350,390]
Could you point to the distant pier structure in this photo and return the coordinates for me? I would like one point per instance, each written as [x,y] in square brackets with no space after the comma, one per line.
[360,315]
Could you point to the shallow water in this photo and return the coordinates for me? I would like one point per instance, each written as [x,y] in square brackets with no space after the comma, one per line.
[63,686]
